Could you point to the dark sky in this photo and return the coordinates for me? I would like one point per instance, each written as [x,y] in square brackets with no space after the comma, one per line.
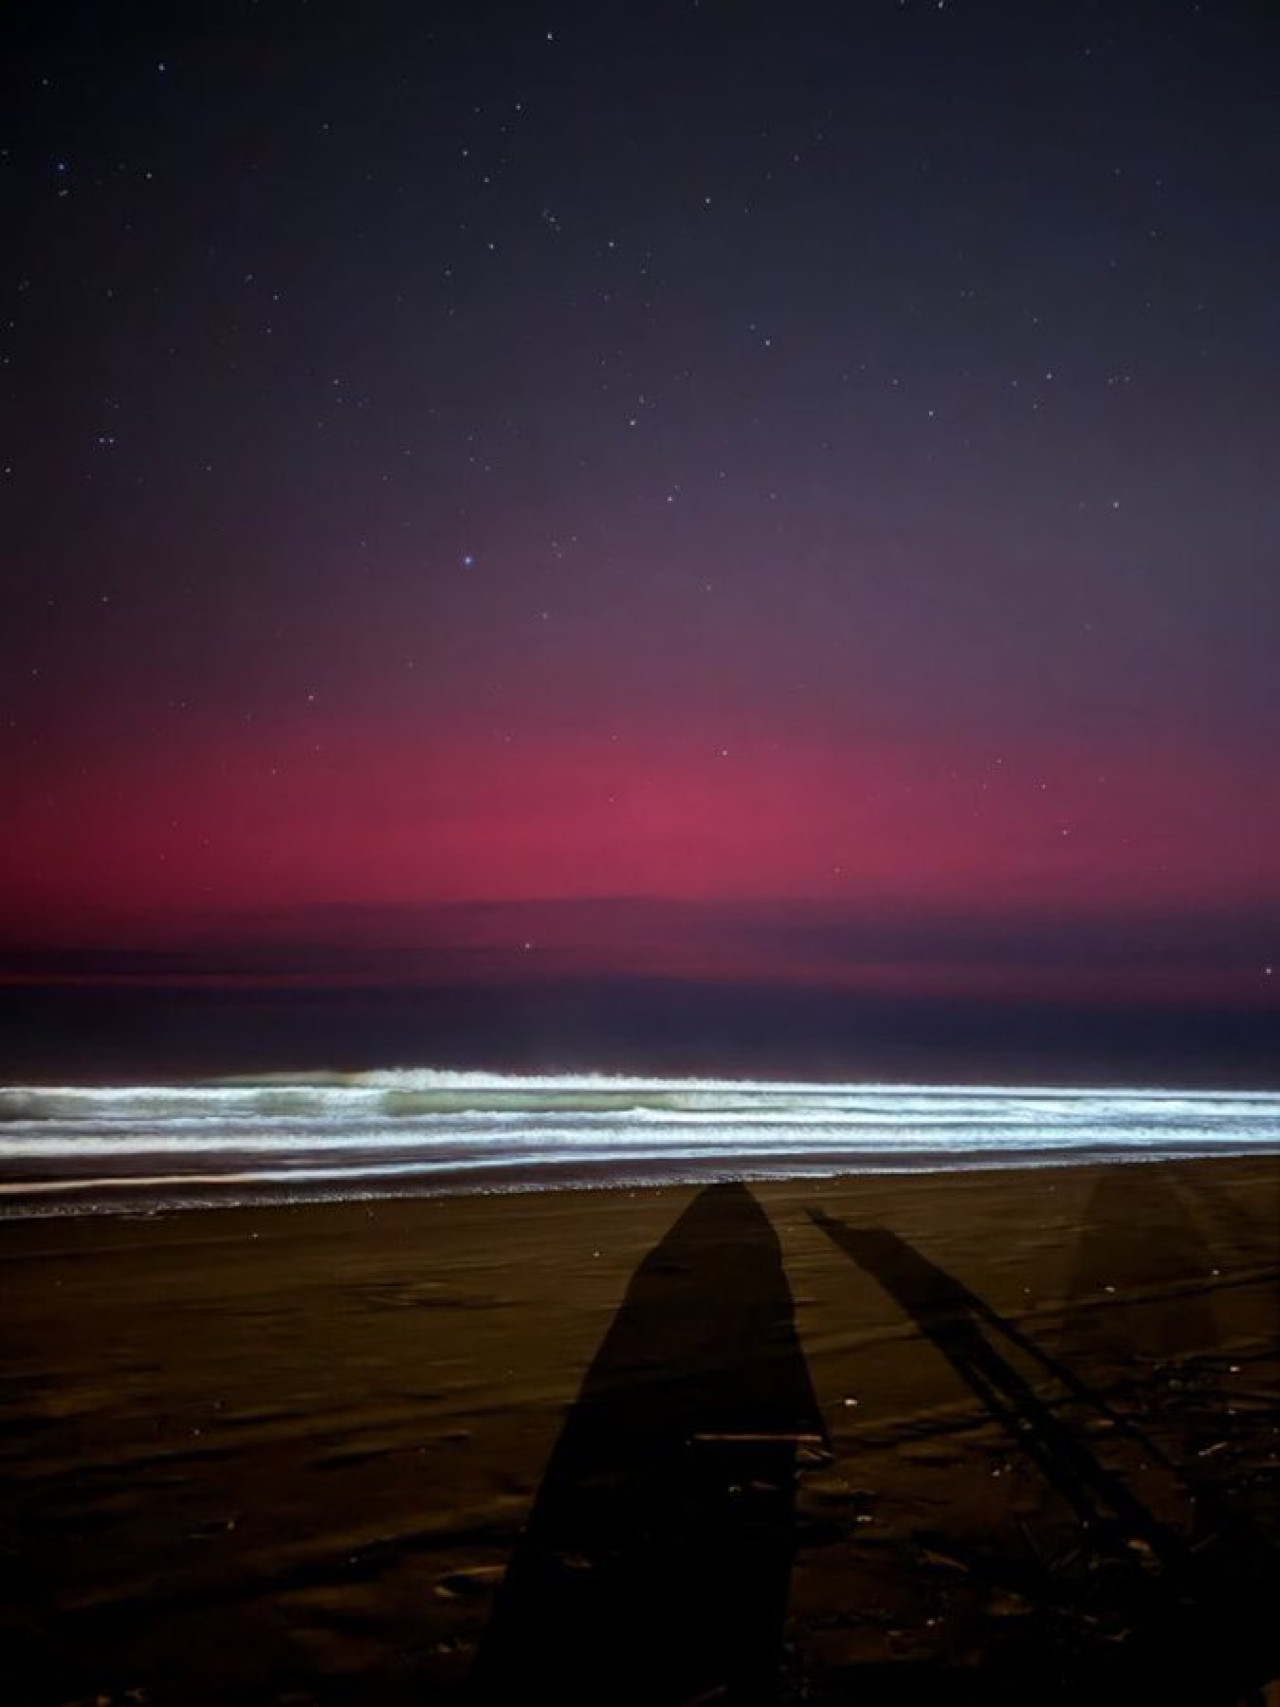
[774,500]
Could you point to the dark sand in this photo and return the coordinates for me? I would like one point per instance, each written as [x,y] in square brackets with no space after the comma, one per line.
[986,1437]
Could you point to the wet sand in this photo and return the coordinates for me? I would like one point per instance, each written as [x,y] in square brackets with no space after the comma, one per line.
[979,1437]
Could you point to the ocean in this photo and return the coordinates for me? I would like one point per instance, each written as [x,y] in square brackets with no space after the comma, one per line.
[125,1148]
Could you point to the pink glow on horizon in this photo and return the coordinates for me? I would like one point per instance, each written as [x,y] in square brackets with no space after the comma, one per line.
[308,815]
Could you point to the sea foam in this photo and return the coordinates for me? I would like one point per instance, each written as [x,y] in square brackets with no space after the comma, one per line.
[94,1147]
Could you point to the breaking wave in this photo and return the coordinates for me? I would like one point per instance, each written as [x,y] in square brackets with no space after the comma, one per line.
[79,1148]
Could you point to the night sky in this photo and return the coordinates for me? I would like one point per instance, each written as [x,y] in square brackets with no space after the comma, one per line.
[704,536]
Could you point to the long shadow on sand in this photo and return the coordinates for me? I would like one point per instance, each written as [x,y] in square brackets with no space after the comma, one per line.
[1200,1627]
[967,1331]
[1255,1231]
[1142,1290]
[1139,1290]
[654,1568]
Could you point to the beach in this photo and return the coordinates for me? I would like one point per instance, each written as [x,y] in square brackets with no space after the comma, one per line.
[992,1435]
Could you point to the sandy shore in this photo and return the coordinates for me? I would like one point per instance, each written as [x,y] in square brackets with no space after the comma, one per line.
[978,1437]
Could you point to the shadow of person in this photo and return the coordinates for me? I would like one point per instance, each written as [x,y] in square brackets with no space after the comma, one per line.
[1198,1633]
[654,1567]
[1138,1294]
[1141,1300]
[1247,1230]
[970,1335]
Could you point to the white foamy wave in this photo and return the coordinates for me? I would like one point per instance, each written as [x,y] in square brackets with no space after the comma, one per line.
[429,1129]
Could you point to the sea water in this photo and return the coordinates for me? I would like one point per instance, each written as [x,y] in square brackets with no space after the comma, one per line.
[75,1149]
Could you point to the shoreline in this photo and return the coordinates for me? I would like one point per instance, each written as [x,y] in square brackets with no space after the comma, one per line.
[442,1132]
[193,1193]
